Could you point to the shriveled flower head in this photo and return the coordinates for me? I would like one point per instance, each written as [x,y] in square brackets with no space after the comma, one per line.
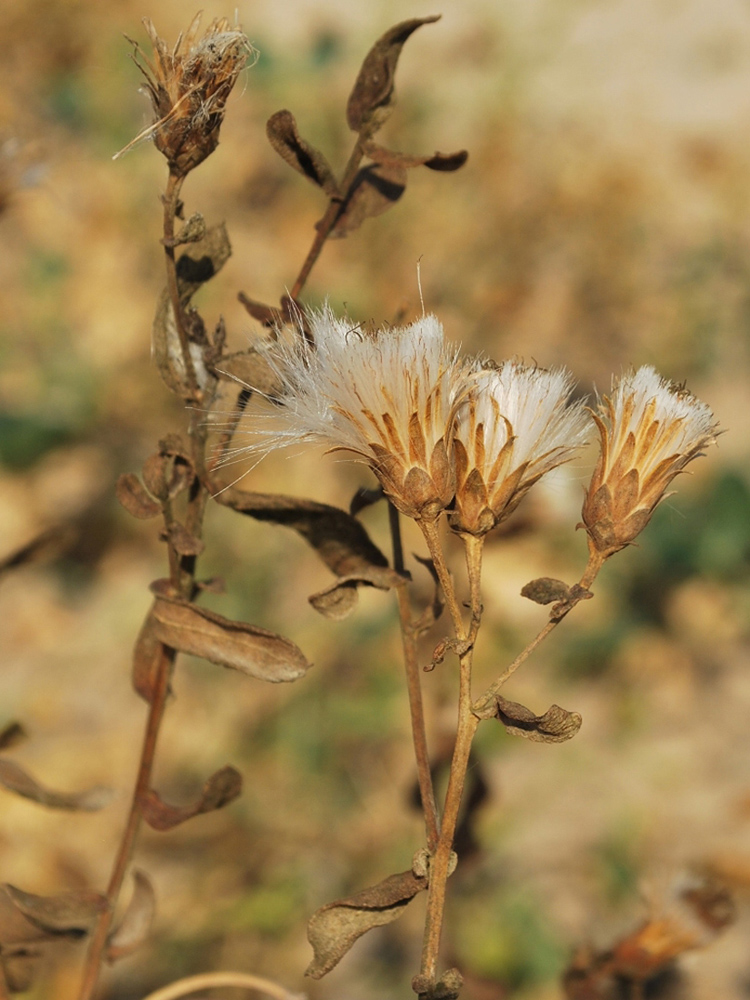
[188,87]
[650,429]
[389,397]
[514,426]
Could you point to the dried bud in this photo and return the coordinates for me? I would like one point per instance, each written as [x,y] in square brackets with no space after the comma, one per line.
[650,429]
[513,427]
[188,88]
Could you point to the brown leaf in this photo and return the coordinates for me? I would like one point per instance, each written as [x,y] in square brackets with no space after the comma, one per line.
[333,929]
[371,99]
[193,231]
[221,788]
[340,599]
[148,657]
[11,735]
[269,316]
[251,370]
[133,496]
[183,542]
[71,914]
[545,590]
[135,926]
[248,648]
[15,779]
[202,261]
[375,189]
[436,161]
[284,136]
[339,539]
[556,725]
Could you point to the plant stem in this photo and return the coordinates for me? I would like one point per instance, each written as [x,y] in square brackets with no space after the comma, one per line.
[170,199]
[125,850]
[432,537]
[209,980]
[328,221]
[414,687]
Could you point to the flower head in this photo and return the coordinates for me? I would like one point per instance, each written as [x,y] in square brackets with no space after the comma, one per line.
[650,429]
[512,428]
[389,397]
[188,87]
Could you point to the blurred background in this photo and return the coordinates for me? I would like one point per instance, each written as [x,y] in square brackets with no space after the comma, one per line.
[602,221]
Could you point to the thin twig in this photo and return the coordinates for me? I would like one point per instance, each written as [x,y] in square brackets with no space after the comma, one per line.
[209,980]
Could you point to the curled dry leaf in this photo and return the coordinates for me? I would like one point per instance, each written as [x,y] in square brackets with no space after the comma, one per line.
[183,542]
[545,590]
[556,725]
[167,473]
[193,230]
[135,926]
[149,655]
[371,99]
[71,914]
[333,929]
[340,599]
[134,497]
[15,779]
[253,650]
[251,370]
[444,162]
[339,539]
[375,189]
[284,136]
[221,788]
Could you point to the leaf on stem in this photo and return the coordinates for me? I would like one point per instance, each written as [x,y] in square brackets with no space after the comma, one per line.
[221,788]
[134,497]
[251,370]
[149,655]
[444,162]
[371,100]
[284,136]
[556,725]
[255,651]
[546,590]
[135,926]
[375,189]
[15,779]
[70,914]
[333,929]
[340,599]
[182,541]
[168,471]
[193,231]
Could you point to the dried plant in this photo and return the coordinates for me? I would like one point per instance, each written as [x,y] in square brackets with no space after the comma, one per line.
[455,443]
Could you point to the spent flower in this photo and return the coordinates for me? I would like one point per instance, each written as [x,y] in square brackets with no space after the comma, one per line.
[650,429]
[389,396]
[514,426]
[189,87]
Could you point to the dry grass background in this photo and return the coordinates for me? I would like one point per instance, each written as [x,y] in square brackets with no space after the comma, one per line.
[603,219]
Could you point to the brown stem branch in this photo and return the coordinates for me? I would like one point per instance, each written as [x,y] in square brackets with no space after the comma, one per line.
[125,850]
[414,688]
[432,537]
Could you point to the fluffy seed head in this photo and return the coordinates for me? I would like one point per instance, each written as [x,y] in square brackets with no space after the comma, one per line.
[650,429]
[512,428]
[188,87]
[390,397]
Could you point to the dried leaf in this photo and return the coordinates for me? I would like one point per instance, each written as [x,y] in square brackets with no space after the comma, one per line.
[135,926]
[269,316]
[202,261]
[183,542]
[364,498]
[251,370]
[253,650]
[333,929]
[371,99]
[133,496]
[193,231]
[221,788]
[148,658]
[71,914]
[444,162]
[283,135]
[339,539]
[15,779]
[375,189]
[545,590]
[340,599]
[11,735]
[556,725]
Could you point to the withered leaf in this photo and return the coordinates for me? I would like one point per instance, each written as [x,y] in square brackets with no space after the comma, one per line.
[15,779]
[251,370]
[340,599]
[11,735]
[202,260]
[183,542]
[221,788]
[545,590]
[148,658]
[333,929]
[135,926]
[239,645]
[339,539]
[193,230]
[371,99]
[269,316]
[70,914]
[133,496]
[364,498]
[375,189]
[284,136]
[436,161]
[556,725]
